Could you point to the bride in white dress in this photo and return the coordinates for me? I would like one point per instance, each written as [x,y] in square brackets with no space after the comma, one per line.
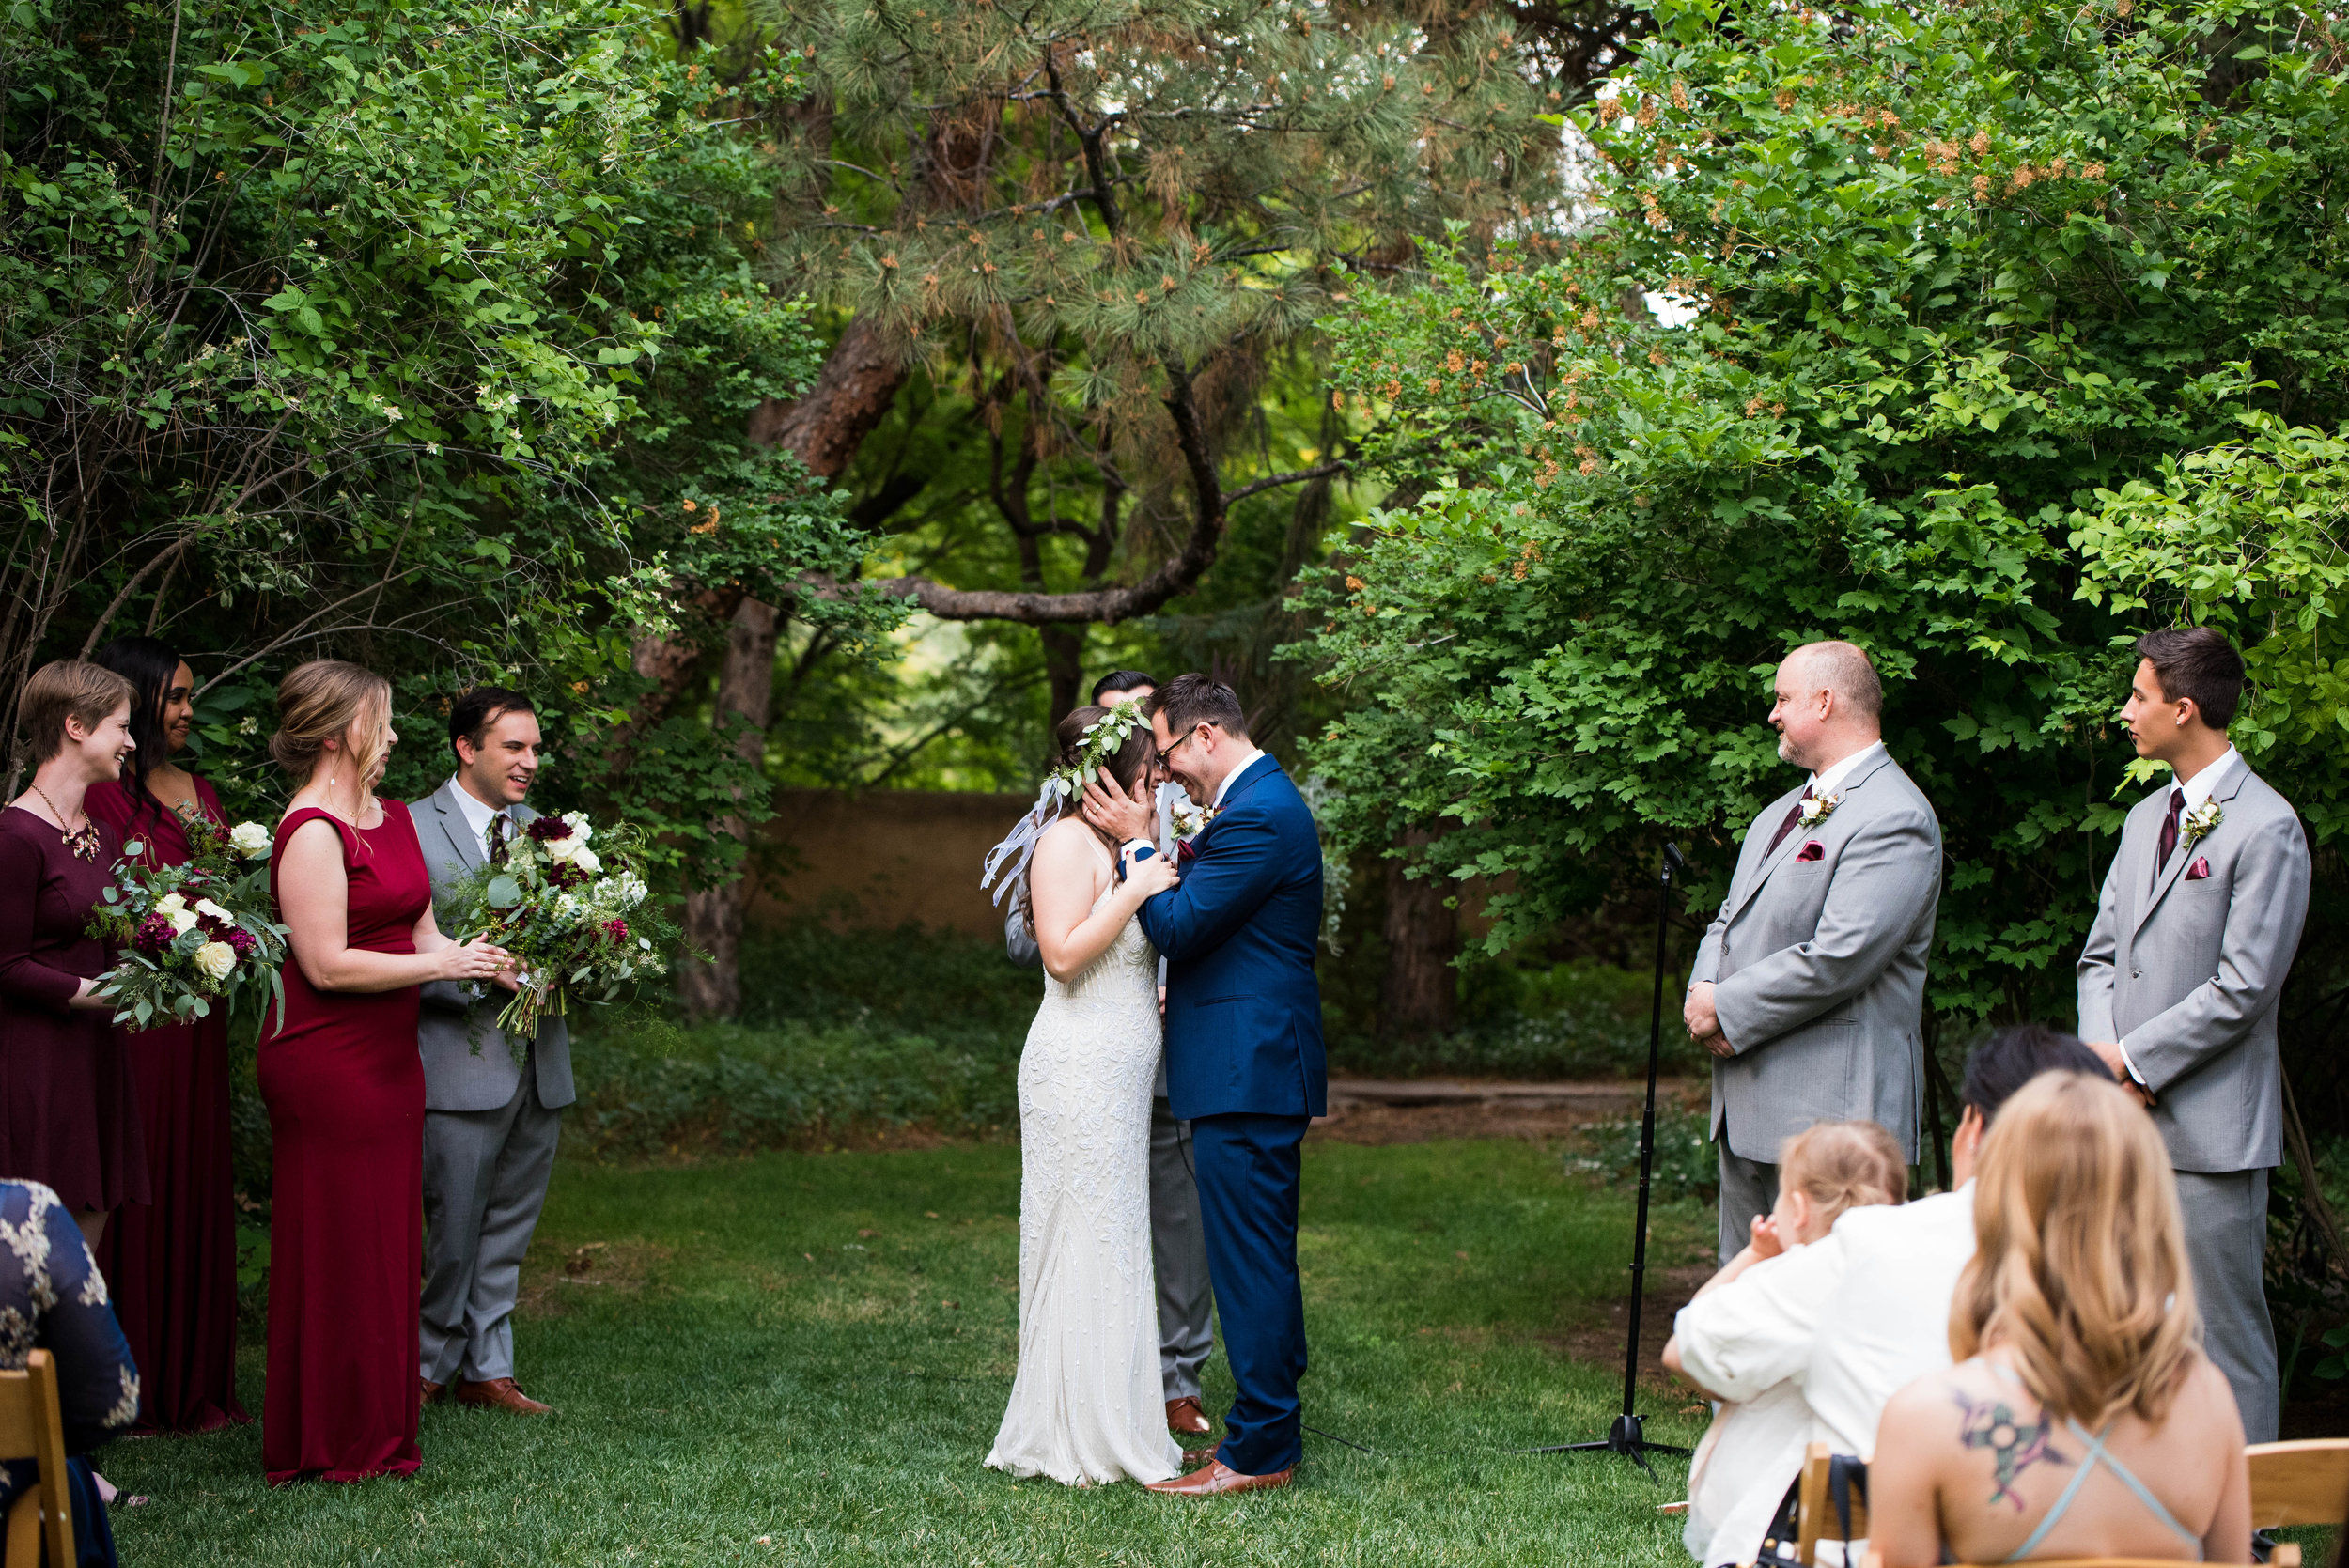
[1087,1407]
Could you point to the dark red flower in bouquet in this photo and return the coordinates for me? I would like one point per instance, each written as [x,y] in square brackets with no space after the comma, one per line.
[241,940]
[547,830]
[616,929]
[154,934]
[566,875]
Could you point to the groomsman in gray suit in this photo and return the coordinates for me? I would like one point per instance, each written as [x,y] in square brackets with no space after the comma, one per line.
[490,1125]
[1808,987]
[2178,983]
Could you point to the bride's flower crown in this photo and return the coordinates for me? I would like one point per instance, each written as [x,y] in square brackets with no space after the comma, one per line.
[1103,740]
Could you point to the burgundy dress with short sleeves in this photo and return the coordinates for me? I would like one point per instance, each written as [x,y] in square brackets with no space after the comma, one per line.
[171,1264]
[345,1089]
[67,1116]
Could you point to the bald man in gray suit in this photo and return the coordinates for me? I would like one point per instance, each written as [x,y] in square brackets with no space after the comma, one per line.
[1809,987]
[2179,984]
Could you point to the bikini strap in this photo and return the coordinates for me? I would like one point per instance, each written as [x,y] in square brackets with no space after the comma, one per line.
[2093,1455]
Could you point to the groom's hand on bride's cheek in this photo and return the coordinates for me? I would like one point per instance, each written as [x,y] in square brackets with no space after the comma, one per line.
[1117,814]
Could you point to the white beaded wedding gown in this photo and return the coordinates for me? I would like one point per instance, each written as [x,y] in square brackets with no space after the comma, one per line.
[1086,1406]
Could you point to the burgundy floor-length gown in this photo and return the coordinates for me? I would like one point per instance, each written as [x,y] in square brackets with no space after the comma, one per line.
[68,1118]
[344,1090]
[171,1263]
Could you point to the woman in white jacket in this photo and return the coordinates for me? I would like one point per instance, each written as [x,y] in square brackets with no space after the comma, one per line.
[1753,1450]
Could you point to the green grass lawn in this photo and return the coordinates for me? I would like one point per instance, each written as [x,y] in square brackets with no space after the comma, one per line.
[801,1358]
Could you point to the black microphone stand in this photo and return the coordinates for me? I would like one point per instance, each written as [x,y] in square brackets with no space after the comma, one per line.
[1625,1435]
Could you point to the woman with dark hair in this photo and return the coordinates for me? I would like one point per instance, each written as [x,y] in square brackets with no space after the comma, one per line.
[172,1261]
[1085,1403]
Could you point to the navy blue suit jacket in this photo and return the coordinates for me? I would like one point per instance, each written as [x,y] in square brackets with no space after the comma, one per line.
[1243,1010]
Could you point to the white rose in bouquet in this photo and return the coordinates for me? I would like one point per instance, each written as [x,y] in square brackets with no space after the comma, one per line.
[182,921]
[584,858]
[249,839]
[205,906]
[560,850]
[581,830]
[169,905]
[215,959]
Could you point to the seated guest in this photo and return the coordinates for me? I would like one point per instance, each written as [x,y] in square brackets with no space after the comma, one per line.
[1865,1310]
[53,1298]
[2084,1420]
[1754,1446]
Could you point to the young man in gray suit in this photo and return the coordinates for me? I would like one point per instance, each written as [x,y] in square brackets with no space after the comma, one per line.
[490,1125]
[1809,987]
[2180,980]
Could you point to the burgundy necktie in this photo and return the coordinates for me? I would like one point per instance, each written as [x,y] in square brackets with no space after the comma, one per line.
[1794,815]
[498,825]
[2170,831]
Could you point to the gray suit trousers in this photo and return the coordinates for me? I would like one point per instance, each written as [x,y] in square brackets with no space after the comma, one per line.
[485,1180]
[2226,1246]
[1749,1189]
[1178,1253]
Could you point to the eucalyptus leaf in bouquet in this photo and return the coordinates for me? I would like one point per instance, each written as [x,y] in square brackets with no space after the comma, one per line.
[576,918]
[190,936]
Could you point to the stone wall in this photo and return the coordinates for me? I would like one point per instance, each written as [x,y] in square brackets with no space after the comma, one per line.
[878,860]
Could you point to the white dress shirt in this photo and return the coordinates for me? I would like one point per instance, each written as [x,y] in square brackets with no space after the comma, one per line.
[1823,785]
[478,815]
[1253,757]
[1848,1321]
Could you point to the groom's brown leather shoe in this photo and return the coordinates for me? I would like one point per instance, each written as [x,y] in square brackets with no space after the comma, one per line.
[499,1393]
[1220,1478]
[1184,1416]
[426,1391]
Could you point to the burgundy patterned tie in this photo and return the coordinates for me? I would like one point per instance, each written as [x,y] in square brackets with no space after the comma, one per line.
[1794,815]
[2169,832]
[498,825]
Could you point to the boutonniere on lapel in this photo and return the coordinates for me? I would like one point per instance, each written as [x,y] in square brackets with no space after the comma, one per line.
[1817,809]
[2196,825]
[1190,820]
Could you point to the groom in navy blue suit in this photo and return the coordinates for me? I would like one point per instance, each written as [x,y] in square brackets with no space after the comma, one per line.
[1244,1061]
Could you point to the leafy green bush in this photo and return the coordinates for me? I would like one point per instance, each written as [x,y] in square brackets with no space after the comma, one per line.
[1686,1164]
[647,1085]
[1577,1019]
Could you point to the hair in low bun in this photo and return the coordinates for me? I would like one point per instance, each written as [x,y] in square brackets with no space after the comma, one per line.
[318,701]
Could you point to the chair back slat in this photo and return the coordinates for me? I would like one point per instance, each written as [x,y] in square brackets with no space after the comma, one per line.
[2304,1482]
[1818,1515]
[32,1426]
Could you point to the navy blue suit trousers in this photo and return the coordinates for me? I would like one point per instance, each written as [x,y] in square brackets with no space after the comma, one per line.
[1248,1168]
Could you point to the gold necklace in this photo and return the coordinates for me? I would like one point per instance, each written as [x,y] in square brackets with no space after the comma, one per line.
[83,841]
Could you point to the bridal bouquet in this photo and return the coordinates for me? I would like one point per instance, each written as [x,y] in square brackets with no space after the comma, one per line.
[191,935]
[574,916]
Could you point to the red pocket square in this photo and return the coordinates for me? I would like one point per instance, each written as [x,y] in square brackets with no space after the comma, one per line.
[1183,851]
[1812,850]
[2199,870]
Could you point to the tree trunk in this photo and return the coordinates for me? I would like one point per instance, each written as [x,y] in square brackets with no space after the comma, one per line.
[853,391]
[1063,666]
[1422,938]
[713,916]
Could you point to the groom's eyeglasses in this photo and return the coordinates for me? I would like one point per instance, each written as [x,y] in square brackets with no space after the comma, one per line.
[1176,747]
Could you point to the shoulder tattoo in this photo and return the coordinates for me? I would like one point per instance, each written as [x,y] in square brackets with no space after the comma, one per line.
[2015,1444]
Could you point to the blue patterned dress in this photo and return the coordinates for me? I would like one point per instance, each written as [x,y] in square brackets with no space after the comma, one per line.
[53,1298]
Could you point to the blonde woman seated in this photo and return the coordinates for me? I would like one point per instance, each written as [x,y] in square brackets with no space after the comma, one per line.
[2082,1418]
[1753,1450]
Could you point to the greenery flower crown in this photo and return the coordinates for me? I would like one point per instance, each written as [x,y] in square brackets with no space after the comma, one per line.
[1103,740]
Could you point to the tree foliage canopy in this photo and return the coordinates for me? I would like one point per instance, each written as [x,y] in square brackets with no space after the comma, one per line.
[1956,273]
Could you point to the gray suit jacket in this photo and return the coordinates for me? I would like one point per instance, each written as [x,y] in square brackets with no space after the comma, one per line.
[1819,966]
[2185,972]
[456,1076]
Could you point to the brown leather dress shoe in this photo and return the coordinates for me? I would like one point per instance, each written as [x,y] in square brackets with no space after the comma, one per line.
[499,1393]
[1184,1416]
[1220,1478]
[426,1391]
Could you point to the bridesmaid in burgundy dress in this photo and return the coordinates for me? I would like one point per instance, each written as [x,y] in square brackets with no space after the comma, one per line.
[171,1264]
[67,1116]
[344,1090]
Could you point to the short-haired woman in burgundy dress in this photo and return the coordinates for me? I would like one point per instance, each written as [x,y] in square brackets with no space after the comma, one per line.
[68,1119]
[345,1089]
[171,1263]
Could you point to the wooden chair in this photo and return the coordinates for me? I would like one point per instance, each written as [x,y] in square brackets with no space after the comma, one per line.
[1816,1518]
[31,1428]
[2305,1482]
